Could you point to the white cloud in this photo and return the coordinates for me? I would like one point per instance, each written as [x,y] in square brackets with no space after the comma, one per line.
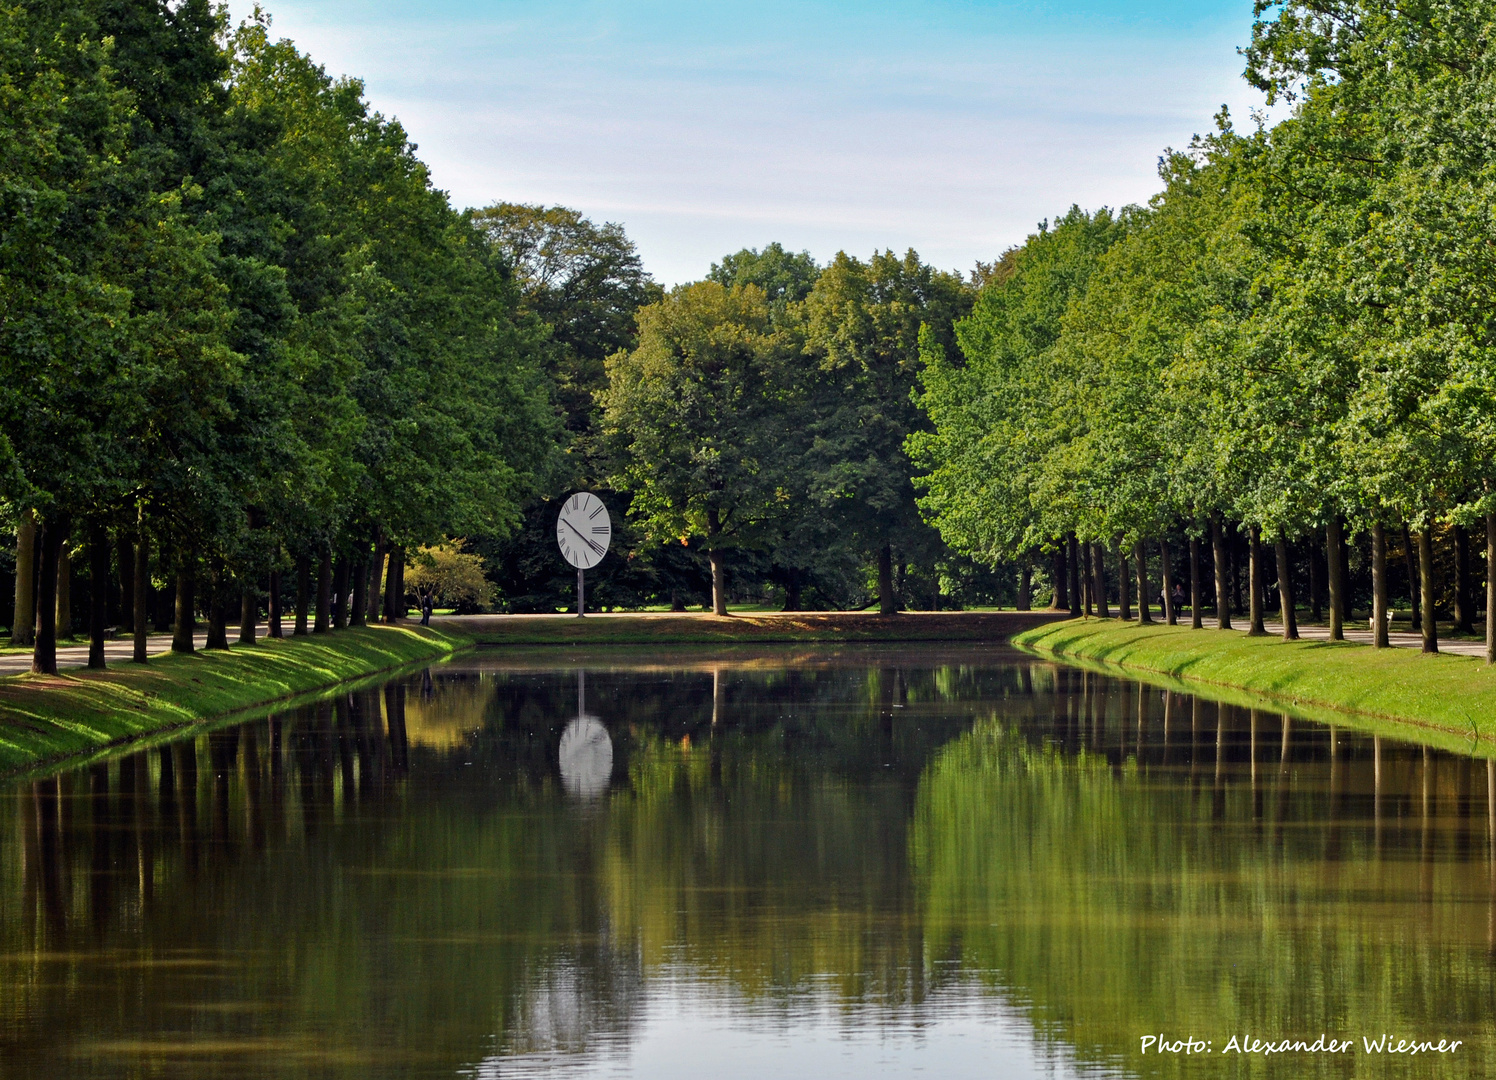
[832,134]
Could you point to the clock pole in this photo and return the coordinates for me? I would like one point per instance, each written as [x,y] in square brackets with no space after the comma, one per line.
[581,587]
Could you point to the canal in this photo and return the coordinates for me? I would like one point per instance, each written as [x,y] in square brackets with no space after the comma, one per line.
[950,862]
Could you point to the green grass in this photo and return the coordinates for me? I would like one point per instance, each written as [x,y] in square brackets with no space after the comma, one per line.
[1449,701]
[763,628]
[43,718]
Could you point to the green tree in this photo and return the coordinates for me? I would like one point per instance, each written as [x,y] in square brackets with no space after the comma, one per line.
[863,324]
[703,411]
[993,435]
[785,277]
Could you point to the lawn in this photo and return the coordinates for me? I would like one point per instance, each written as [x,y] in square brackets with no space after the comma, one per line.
[760,627]
[47,717]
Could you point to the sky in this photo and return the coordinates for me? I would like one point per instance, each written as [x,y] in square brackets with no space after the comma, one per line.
[948,126]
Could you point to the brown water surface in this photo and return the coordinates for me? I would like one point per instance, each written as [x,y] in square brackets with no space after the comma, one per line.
[767,862]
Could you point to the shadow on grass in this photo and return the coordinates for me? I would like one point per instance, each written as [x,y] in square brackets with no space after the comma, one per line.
[1397,690]
[46,718]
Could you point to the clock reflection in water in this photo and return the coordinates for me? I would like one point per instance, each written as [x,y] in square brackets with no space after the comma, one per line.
[586,751]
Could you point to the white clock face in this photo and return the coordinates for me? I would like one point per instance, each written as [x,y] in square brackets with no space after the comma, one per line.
[583,530]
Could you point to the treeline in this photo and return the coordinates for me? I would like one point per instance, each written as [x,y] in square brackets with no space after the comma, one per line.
[747,431]
[257,368]
[1288,352]
[761,419]
[249,351]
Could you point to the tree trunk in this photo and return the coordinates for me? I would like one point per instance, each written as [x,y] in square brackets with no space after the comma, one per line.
[181,637]
[142,590]
[1098,554]
[1410,559]
[719,579]
[1124,584]
[273,606]
[1285,589]
[303,594]
[397,556]
[792,591]
[23,623]
[1378,585]
[1254,582]
[323,620]
[340,593]
[359,607]
[1140,557]
[124,557]
[1060,599]
[249,612]
[1316,610]
[1336,579]
[64,593]
[1223,586]
[218,633]
[1075,589]
[1491,588]
[1025,585]
[54,535]
[1426,587]
[376,577]
[98,590]
[1464,612]
[1166,571]
[886,605]
[1233,563]
[392,584]
[1197,617]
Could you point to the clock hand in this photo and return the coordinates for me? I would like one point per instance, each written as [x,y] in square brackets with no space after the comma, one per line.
[586,540]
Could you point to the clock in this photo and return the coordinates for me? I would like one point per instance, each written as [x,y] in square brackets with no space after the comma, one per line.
[583,530]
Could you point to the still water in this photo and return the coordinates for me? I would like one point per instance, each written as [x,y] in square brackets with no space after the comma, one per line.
[876,862]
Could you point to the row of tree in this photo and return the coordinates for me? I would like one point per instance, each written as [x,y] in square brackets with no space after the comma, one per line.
[1294,339]
[257,366]
[765,410]
[254,358]
[242,335]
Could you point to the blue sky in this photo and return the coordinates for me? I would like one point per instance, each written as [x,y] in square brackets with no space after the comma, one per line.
[948,126]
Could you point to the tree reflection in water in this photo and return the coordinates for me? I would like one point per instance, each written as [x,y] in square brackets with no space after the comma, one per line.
[853,853]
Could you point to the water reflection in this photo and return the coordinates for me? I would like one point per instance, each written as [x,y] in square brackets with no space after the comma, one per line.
[586,751]
[856,863]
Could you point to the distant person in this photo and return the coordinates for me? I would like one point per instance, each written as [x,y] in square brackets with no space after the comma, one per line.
[1178,596]
[427,604]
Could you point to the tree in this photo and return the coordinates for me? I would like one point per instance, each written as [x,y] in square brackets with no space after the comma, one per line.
[785,277]
[452,577]
[583,281]
[702,412]
[863,324]
[993,441]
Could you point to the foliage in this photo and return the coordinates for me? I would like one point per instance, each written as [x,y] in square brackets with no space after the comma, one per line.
[700,410]
[1295,331]
[453,578]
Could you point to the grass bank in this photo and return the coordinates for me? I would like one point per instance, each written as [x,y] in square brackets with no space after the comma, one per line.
[1443,700]
[759,628]
[44,718]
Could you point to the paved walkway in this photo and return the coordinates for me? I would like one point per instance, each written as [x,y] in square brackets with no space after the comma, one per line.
[115,652]
[1358,631]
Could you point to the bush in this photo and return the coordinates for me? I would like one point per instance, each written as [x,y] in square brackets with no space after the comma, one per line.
[454,578]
